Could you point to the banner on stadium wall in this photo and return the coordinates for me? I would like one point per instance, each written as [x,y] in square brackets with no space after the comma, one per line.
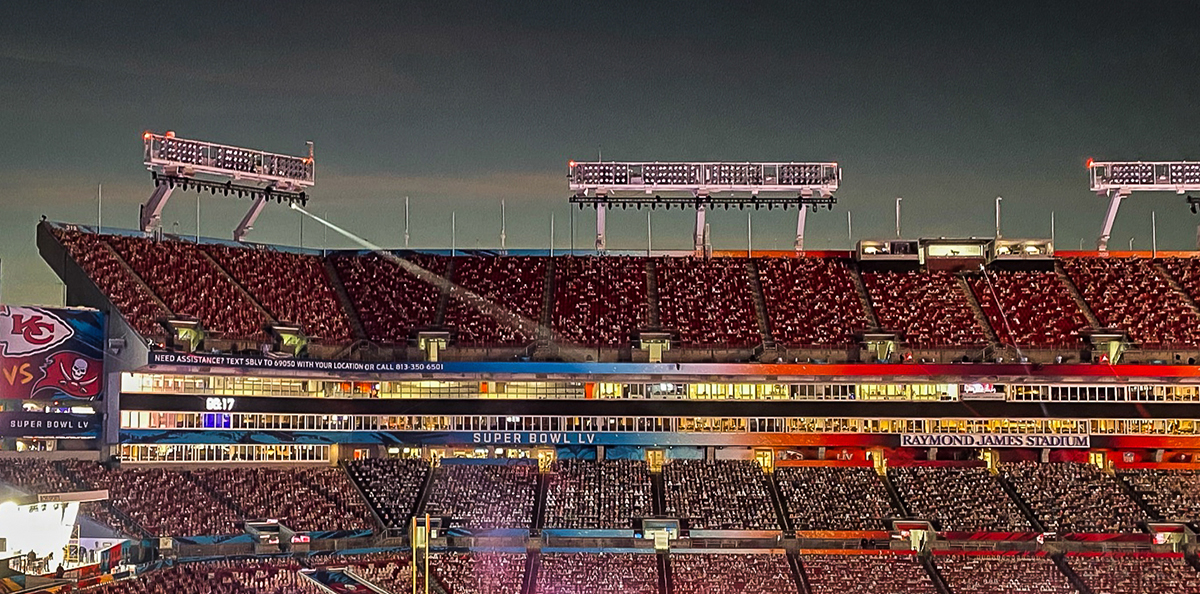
[41,424]
[51,354]
[990,440]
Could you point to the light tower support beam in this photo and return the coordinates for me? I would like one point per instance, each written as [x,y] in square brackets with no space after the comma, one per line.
[698,236]
[601,242]
[1114,203]
[801,219]
[244,227]
[151,215]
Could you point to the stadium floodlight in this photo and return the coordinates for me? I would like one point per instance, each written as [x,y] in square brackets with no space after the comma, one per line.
[1118,179]
[195,164]
[702,186]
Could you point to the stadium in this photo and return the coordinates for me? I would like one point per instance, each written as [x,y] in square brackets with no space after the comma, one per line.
[934,415]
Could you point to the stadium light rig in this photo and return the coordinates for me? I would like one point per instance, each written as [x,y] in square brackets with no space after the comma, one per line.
[702,186]
[1119,179]
[177,163]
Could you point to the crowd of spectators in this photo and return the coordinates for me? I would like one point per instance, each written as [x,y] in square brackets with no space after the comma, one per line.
[37,476]
[392,486]
[101,264]
[708,301]
[218,577]
[1002,574]
[834,497]
[390,300]
[1074,497]
[303,499]
[294,288]
[484,495]
[589,573]
[811,301]
[867,574]
[719,495]
[591,494]
[516,284]
[959,499]
[1172,494]
[1129,294]
[164,502]
[600,301]
[1035,308]
[478,572]
[731,574]
[1135,574]
[929,309]
[191,285]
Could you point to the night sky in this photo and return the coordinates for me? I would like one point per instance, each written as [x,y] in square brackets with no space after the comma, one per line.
[460,105]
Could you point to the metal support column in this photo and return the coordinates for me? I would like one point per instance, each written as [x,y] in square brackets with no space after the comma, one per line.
[151,215]
[601,210]
[698,237]
[247,223]
[1114,203]
[801,218]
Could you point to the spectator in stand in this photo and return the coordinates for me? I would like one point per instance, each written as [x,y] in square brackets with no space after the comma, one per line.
[589,494]
[867,574]
[220,577]
[391,486]
[1074,497]
[731,574]
[590,573]
[1171,494]
[484,495]
[1135,574]
[835,498]
[1009,574]
[958,499]
[719,495]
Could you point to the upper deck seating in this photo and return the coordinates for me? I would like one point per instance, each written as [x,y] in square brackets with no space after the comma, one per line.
[599,301]
[928,308]
[1035,309]
[514,283]
[1128,294]
[811,301]
[708,302]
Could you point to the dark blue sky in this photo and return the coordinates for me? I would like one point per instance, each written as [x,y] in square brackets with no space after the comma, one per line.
[460,104]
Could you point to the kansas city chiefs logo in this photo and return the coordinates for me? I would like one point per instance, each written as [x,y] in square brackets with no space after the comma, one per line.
[29,330]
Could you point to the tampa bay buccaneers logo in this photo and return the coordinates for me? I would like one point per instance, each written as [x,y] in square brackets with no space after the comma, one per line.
[72,374]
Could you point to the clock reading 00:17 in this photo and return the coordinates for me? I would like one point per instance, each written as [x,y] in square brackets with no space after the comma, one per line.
[218,403]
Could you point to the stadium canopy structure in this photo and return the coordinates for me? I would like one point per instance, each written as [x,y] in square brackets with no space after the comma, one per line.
[195,164]
[1119,179]
[702,186]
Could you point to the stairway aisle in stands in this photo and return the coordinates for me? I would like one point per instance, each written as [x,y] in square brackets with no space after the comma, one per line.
[439,317]
[533,564]
[1137,498]
[760,305]
[1024,507]
[545,328]
[1076,581]
[348,309]
[780,504]
[665,585]
[381,525]
[939,582]
[798,573]
[539,506]
[1174,284]
[863,296]
[137,278]
[426,491]
[652,292]
[981,317]
[897,501]
[660,490]
[270,317]
[1076,295]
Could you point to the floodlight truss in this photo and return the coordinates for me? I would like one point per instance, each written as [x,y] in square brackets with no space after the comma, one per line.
[645,183]
[703,186]
[1117,180]
[177,163]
